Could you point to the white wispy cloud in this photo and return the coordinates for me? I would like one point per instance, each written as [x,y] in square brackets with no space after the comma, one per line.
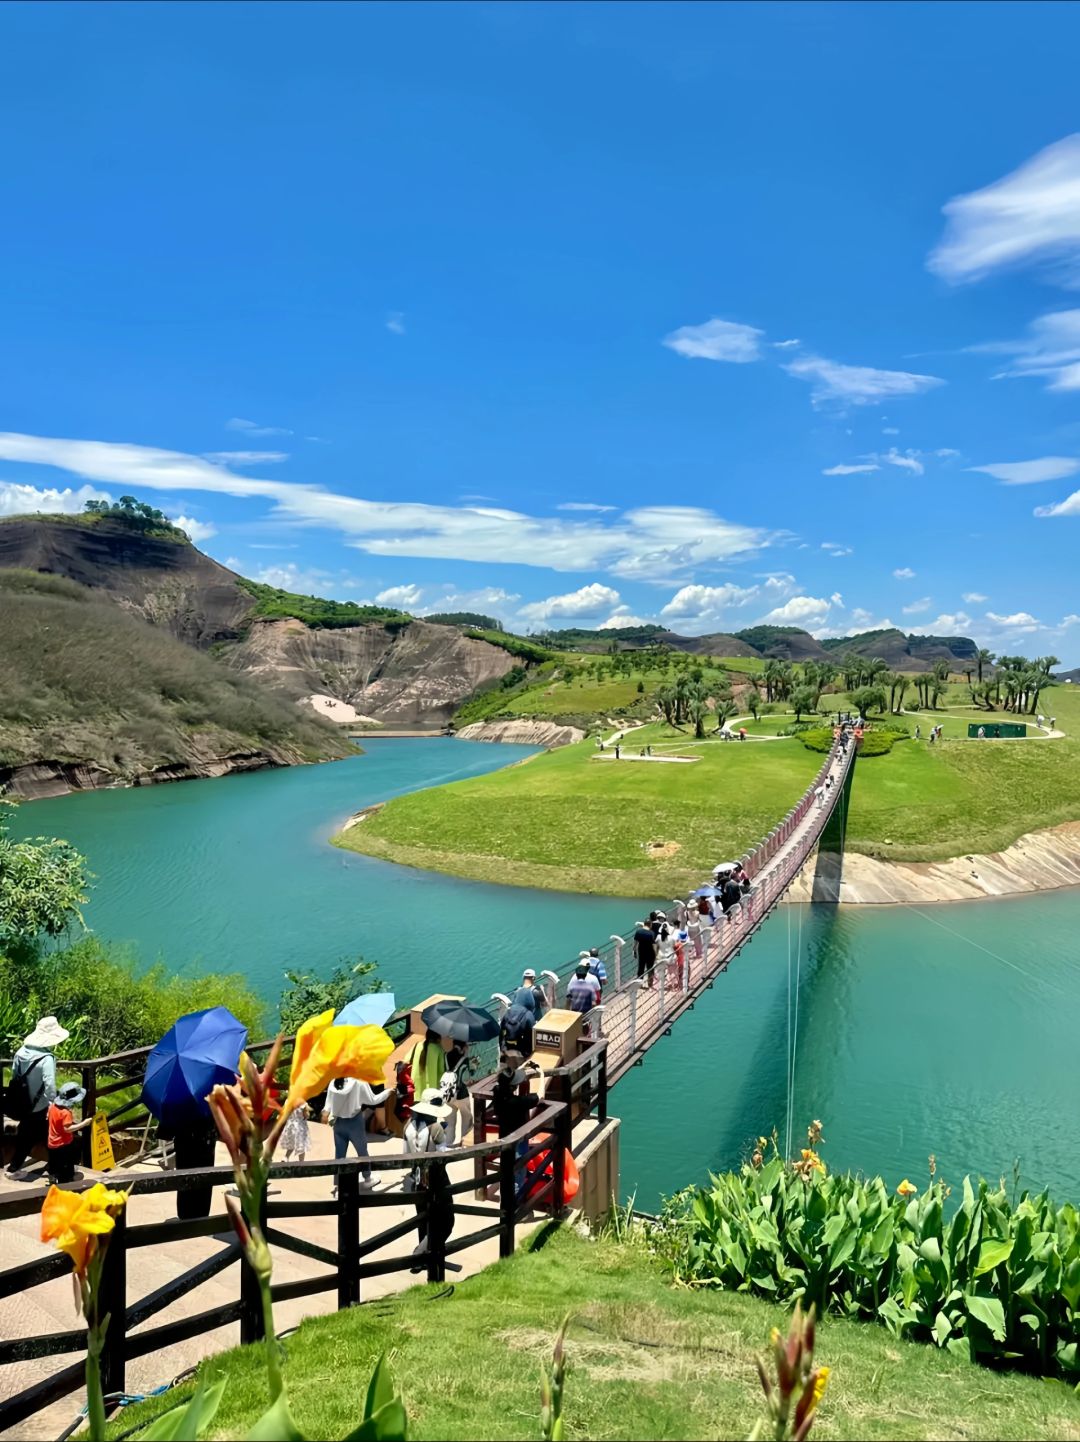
[20,500]
[1051,348]
[837,548]
[252,428]
[395,322]
[650,543]
[408,595]
[906,460]
[584,506]
[288,577]
[786,344]
[588,600]
[974,598]
[778,583]
[195,530]
[245,458]
[834,383]
[706,603]
[851,470]
[1071,620]
[482,599]
[1026,473]
[717,340]
[890,430]
[917,606]
[1031,215]
[904,573]
[959,623]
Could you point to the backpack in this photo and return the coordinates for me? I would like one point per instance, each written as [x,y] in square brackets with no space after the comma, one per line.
[516,1031]
[20,1098]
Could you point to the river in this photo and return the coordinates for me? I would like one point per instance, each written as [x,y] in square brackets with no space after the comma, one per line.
[947,1029]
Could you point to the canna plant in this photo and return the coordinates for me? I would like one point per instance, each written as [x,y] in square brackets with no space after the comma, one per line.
[792,1397]
[996,1281]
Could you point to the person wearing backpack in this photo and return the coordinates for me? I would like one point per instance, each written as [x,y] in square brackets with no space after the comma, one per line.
[516,1031]
[32,1089]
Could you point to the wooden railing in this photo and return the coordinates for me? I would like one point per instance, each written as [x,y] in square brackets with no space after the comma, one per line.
[505,1192]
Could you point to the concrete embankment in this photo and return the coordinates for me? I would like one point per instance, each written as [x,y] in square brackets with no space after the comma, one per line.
[1041,861]
[522,733]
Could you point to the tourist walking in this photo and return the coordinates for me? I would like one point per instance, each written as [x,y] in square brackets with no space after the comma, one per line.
[455,1092]
[426,1133]
[596,966]
[427,1062]
[583,991]
[706,919]
[618,751]
[693,929]
[63,1143]
[32,1089]
[530,994]
[665,950]
[730,895]
[295,1134]
[516,1030]
[349,1102]
[645,951]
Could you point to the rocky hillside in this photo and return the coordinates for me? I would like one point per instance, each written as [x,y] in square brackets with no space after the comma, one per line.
[397,674]
[92,695]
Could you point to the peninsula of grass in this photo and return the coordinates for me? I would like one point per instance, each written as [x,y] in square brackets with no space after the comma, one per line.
[569,821]
[644,1359]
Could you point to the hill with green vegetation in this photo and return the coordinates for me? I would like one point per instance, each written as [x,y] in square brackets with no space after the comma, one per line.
[644,1359]
[90,694]
[472,619]
[271,603]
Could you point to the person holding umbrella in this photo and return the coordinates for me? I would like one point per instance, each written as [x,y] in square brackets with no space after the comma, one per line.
[463,1025]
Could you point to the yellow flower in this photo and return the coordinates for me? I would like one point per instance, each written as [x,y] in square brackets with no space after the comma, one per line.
[75,1220]
[306,1039]
[338,1051]
[905,1189]
[821,1381]
[812,1159]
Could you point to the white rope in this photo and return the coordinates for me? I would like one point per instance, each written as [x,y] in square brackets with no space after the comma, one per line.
[1031,976]
[787,1107]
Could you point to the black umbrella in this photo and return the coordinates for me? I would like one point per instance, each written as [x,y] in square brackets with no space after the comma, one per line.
[460,1022]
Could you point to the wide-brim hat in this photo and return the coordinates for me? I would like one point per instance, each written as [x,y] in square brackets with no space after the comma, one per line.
[431,1106]
[70,1094]
[48,1032]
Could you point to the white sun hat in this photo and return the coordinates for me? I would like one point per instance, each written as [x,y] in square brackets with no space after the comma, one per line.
[48,1032]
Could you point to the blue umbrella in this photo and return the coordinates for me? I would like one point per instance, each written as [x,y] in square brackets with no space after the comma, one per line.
[195,1054]
[707,891]
[370,1010]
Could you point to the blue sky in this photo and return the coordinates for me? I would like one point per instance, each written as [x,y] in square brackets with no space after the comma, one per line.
[576,314]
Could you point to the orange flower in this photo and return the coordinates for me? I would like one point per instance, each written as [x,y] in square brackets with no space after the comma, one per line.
[906,1189]
[339,1051]
[75,1220]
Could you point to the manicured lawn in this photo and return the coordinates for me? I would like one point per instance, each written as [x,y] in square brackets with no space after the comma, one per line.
[644,1359]
[569,820]
[582,694]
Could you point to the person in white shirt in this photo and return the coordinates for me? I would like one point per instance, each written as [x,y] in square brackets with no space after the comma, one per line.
[425,1132]
[347,1101]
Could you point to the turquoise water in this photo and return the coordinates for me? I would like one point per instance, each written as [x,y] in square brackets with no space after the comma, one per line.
[950,1029]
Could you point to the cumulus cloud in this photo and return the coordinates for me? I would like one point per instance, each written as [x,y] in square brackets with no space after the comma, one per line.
[851,470]
[917,606]
[1018,621]
[1031,215]
[287,577]
[704,603]
[401,596]
[974,598]
[621,619]
[1026,473]
[485,598]
[904,573]
[1051,348]
[716,340]
[252,428]
[19,500]
[799,611]
[588,600]
[651,543]
[779,583]
[834,383]
[956,624]
[195,530]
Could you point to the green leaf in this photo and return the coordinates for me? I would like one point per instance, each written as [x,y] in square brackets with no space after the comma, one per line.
[942,1328]
[992,1253]
[988,1311]
[380,1389]
[388,1424]
[276,1425]
[184,1423]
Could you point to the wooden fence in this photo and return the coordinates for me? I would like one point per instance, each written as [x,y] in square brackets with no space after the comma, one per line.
[505,1191]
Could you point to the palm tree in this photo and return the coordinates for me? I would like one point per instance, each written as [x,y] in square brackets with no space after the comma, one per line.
[753,699]
[802,699]
[902,684]
[725,709]
[771,676]
[983,657]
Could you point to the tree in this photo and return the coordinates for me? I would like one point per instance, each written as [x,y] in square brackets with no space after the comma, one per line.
[868,698]
[803,698]
[307,995]
[983,657]
[753,699]
[725,709]
[42,886]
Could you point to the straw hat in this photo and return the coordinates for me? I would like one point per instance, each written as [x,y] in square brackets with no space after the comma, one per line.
[48,1032]
[431,1106]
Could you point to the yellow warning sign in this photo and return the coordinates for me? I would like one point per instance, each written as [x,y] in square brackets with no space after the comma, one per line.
[101,1152]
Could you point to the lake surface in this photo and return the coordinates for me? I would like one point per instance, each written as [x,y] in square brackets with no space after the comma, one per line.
[946,1029]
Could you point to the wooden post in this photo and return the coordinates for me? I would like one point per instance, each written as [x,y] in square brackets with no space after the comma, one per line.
[89,1107]
[348,1238]
[112,1303]
[507,1200]
[601,1095]
[251,1313]
[564,1136]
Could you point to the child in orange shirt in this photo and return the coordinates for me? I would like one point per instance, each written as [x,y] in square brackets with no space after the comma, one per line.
[63,1143]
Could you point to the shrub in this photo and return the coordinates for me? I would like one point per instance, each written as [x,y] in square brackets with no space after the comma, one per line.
[306,995]
[994,1281]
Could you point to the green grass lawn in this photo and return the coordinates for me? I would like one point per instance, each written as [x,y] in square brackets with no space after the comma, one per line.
[644,1359]
[569,821]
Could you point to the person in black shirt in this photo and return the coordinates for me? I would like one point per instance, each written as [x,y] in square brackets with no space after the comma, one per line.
[645,950]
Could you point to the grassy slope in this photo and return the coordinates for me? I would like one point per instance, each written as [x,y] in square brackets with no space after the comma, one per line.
[567,821]
[83,680]
[644,1360]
